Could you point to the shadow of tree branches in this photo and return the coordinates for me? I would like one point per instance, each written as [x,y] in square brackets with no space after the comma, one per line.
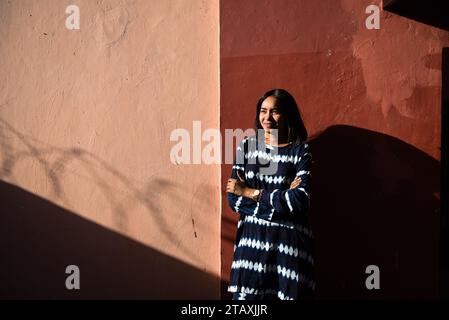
[16,147]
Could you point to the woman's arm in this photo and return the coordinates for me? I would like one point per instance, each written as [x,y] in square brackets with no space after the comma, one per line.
[239,194]
[294,201]
[279,204]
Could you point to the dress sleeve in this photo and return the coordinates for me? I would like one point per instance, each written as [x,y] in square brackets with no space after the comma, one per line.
[292,202]
[277,204]
[240,204]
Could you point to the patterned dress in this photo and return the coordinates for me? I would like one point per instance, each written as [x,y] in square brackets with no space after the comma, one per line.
[273,251]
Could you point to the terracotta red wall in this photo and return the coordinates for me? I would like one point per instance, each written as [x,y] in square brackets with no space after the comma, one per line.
[371,103]
[85,123]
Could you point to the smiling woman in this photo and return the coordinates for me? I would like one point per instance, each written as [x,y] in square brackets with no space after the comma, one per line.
[273,256]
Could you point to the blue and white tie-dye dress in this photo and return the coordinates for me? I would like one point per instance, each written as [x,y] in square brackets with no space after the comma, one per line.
[273,251]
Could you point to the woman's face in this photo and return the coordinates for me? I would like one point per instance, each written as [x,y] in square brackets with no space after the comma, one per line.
[271,117]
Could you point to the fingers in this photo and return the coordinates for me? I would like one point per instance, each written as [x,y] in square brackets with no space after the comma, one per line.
[235,186]
[240,177]
[295,183]
[230,186]
[297,180]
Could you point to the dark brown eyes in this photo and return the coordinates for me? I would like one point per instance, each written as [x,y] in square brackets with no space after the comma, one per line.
[274,110]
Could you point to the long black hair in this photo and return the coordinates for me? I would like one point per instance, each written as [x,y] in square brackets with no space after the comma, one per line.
[297,132]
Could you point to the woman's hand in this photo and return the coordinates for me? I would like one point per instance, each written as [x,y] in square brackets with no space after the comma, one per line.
[295,183]
[235,186]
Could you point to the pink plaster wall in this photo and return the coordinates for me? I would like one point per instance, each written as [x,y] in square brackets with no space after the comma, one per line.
[371,101]
[85,123]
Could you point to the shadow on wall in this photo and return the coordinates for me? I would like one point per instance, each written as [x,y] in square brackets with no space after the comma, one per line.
[120,192]
[375,202]
[39,239]
[430,12]
[228,233]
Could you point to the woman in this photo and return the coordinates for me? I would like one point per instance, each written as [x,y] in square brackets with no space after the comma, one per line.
[273,247]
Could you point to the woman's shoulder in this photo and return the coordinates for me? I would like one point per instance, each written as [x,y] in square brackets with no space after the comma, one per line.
[306,152]
[245,142]
[251,143]
[301,149]
[304,146]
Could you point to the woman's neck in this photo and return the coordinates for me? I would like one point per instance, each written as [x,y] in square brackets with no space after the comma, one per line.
[273,140]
